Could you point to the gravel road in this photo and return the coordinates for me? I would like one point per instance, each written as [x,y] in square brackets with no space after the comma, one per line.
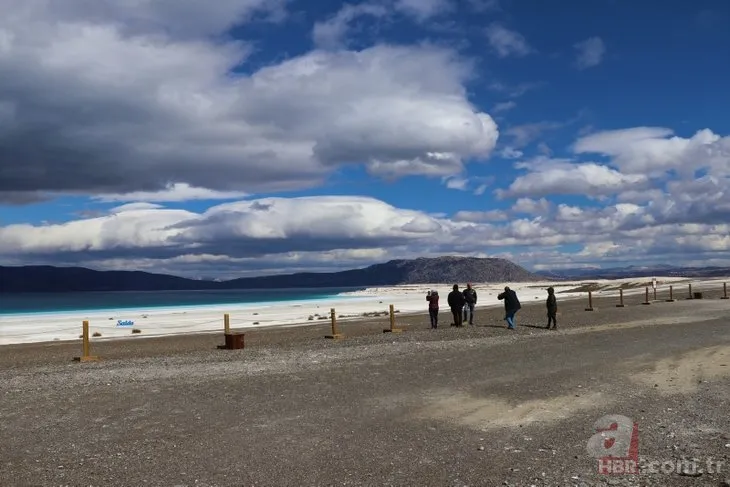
[478,406]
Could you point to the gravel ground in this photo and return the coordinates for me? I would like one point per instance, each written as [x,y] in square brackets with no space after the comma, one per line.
[454,407]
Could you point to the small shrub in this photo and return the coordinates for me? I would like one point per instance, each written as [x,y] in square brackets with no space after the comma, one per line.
[96,334]
[136,330]
[396,311]
[255,314]
[256,323]
[310,318]
[81,336]
[322,318]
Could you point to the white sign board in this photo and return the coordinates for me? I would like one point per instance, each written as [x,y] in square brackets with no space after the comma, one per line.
[653,283]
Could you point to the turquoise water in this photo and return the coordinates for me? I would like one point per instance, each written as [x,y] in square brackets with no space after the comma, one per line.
[14,304]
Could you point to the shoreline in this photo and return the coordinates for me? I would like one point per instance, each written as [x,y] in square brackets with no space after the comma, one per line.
[356,305]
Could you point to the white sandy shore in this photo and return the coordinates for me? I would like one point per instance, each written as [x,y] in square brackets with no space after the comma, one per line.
[349,306]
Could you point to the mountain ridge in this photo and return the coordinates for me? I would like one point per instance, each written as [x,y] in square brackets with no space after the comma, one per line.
[422,270]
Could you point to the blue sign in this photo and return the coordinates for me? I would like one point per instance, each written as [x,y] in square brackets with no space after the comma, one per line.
[125,323]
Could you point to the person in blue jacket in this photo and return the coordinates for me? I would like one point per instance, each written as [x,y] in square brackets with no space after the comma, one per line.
[511,306]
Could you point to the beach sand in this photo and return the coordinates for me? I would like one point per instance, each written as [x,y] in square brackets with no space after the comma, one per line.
[407,299]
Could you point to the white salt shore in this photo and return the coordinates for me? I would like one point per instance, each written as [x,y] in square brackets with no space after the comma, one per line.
[42,327]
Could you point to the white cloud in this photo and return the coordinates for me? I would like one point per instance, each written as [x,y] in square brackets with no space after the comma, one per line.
[481,216]
[511,153]
[504,106]
[460,183]
[654,150]
[589,52]
[398,110]
[561,177]
[174,192]
[530,206]
[331,32]
[506,42]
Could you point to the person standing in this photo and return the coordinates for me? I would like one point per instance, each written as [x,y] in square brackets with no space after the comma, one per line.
[470,297]
[433,308]
[552,308]
[456,303]
[511,306]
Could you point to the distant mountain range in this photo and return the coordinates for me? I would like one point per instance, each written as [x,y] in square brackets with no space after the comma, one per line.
[416,271]
[42,279]
[635,271]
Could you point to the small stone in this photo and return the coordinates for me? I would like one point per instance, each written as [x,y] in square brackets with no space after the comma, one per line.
[481,448]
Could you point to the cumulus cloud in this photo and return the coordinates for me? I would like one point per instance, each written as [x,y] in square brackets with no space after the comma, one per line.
[589,52]
[506,42]
[656,150]
[562,177]
[100,97]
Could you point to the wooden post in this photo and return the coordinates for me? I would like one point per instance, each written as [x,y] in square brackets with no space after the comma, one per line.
[85,355]
[646,299]
[335,332]
[620,298]
[226,324]
[392,328]
[655,294]
[690,291]
[671,295]
[590,302]
[724,291]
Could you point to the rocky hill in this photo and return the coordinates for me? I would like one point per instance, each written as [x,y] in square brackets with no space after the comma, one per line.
[445,270]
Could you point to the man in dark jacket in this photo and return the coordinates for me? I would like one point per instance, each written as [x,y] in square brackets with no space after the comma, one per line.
[511,306]
[456,303]
[470,296]
[552,308]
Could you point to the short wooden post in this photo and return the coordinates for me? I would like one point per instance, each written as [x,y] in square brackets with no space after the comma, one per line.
[724,291]
[85,348]
[335,332]
[620,298]
[392,328]
[226,324]
[655,293]
[690,292]
[646,299]
[590,302]
[671,295]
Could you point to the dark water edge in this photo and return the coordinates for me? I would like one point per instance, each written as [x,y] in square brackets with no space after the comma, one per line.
[30,303]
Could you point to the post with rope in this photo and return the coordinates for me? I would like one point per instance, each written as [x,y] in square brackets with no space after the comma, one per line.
[590,301]
[335,335]
[392,328]
[620,298]
[671,295]
[724,291]
[646,299]
[85,350]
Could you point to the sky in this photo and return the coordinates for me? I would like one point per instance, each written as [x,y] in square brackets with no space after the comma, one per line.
[245,137]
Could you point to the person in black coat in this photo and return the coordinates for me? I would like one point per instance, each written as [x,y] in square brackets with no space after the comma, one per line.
[470,297]
[511,306]
[456,303]
[552,308]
